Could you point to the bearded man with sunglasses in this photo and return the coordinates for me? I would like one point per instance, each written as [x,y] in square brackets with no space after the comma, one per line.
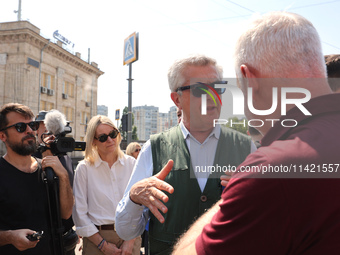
[193,144]
[23,200]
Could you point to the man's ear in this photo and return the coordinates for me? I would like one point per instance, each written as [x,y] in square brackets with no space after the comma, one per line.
[244,71]
[250,75]
[3,136]
[175,99]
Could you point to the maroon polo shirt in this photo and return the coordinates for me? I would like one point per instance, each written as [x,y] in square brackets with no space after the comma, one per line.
[293,212]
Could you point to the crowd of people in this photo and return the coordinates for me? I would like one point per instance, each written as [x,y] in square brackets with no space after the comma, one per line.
[162,191]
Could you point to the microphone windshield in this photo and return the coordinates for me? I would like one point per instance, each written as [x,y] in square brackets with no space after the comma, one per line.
[55,122]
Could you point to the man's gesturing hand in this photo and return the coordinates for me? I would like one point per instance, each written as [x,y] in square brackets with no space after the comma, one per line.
[148,192]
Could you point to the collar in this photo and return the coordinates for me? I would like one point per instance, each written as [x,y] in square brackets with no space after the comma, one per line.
[316,106]
[99,161]
[215,132]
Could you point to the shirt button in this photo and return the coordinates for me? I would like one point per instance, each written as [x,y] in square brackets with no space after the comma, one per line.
[204,198]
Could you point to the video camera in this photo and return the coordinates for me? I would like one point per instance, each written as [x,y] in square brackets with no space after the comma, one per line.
[57,125]
[62,144]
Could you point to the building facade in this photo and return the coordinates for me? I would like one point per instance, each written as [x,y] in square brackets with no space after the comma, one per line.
[149,120]
[145,119]
[162,122]
[43,75]
[173,116]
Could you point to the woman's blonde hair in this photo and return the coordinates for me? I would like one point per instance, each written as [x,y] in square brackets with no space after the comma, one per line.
[91,152]
[131,148]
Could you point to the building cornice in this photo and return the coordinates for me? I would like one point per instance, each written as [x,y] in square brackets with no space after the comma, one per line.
[25,35]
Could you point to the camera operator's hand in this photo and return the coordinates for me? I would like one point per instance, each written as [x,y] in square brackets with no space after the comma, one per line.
[65,190]
[47,141]
[54,162]
[18,238]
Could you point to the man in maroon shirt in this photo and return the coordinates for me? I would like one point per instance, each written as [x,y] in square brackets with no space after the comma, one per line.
[284,197]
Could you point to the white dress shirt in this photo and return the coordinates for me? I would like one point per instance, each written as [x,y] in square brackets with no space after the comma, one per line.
[97,190]
[131,218]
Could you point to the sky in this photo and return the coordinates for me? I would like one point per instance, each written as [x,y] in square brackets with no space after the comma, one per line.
[168,30]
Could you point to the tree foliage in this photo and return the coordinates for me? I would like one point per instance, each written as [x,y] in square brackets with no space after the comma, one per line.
[134,128]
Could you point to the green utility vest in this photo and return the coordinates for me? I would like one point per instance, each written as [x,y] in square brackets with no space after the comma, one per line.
[187,202]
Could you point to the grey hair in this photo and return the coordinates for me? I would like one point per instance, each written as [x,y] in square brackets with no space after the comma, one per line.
[175,74]
[279,43]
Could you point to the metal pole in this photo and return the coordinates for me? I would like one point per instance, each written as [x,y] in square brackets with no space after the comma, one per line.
[129,132]
[19,11]
[41,59]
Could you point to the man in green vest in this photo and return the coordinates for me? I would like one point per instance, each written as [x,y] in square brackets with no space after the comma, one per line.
[192,154]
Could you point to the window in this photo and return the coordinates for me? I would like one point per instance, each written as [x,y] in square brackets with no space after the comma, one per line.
[42,105]
[49,106]
[48,81]
[68,112]
[68,88]
[46,106]
[71,89]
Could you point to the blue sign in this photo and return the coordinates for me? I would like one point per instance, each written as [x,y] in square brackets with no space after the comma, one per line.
[131,48]
[117,114]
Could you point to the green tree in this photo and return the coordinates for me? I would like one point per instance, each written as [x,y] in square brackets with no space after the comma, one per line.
[134,128]
[134,133]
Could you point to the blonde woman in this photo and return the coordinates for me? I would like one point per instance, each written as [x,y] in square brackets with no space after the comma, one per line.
[99,184]
[133,149]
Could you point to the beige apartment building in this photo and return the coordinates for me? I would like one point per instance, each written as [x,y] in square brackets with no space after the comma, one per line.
[41,74]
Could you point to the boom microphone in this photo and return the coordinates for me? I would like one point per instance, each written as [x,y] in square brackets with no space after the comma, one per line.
[55,122]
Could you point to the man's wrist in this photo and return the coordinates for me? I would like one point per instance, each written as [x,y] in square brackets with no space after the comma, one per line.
[133,201]
[63,178]
[100,246]
[6,237]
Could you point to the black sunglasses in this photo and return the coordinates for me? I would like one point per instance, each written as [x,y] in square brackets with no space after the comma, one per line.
[21,126]
[103,138]
[137,150]
[199,88]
